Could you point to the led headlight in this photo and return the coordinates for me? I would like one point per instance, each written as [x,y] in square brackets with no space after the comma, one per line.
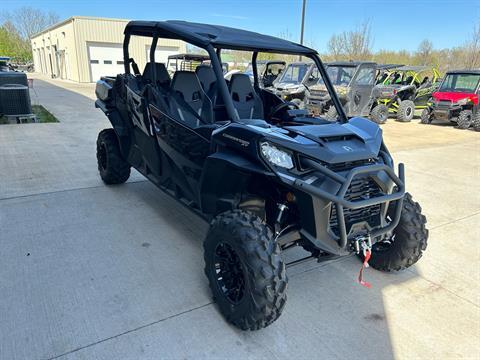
[275,156]
[297,90]
[464,101]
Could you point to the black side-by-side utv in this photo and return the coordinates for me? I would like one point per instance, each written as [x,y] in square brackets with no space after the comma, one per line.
[265,174]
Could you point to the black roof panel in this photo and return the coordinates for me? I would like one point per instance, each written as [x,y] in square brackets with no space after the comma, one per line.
[216,35]
[473,72]
[350,63]
[197,57]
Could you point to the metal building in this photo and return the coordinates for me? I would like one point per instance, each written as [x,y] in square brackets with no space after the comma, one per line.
[84,48]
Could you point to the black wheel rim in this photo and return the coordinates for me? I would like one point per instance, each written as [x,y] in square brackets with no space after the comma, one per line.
[384,245]
[229,273]
[102,156]
[409,111]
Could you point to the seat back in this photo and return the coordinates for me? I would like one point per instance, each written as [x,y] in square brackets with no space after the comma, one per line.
[161,74]
[188,98]
[208,80]
[246,101]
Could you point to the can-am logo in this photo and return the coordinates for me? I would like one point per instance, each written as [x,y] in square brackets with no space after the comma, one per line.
[244,143]
[347,148]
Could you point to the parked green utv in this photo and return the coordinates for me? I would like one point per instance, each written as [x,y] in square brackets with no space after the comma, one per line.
[406,89]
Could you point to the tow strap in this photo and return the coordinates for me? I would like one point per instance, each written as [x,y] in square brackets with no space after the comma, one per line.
[367,254]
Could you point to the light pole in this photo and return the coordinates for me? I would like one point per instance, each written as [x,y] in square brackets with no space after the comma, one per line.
[303,23]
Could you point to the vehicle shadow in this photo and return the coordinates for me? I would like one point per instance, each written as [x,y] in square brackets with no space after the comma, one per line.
[328,314]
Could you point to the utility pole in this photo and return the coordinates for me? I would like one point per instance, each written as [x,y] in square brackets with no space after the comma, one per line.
[303,23]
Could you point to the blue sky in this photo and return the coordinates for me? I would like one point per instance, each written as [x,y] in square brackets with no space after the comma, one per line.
[395,25]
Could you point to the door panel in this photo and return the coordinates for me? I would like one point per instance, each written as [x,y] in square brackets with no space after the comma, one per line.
[136,108]
[361,90]
[184,146]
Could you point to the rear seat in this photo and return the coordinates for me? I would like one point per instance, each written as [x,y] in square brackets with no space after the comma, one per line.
[208,80]
[161,74]
[188,101]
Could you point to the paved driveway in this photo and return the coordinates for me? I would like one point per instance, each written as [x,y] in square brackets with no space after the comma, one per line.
[89,271]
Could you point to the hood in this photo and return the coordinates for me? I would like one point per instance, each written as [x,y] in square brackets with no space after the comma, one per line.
[455,96]
[339,89]
[359,139]
[287,86]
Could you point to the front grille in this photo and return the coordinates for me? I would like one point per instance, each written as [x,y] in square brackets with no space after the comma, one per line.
[318,93]
[360,189]
[443,105]
[345,166]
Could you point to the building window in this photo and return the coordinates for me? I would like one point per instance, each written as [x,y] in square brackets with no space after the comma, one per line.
[107,62]
[93,61]
[120,62]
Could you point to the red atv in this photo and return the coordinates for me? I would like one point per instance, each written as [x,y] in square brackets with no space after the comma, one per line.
[456,100]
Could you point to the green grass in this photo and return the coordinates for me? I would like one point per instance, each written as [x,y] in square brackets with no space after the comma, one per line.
[43,115]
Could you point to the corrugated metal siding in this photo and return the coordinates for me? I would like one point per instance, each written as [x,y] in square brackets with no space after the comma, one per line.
[81,31]
[64,38]
[111,31]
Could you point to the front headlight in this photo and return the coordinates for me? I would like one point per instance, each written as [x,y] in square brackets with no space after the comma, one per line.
[275,156]
[462,102]
[298,89]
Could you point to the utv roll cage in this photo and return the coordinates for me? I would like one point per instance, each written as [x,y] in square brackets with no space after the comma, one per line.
[214,38]
[188,62]
[412,74]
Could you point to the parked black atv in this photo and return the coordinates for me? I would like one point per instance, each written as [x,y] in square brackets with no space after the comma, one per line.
[353,82]
[264,174]
[456,101]
[406,89]
[293,82]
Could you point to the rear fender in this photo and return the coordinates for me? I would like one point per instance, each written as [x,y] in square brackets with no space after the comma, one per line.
[119,125]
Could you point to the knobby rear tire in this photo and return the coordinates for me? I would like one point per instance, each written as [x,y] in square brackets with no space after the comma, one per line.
[112,166]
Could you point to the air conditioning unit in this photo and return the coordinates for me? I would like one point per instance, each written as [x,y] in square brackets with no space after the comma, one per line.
[13,77]
[15,100]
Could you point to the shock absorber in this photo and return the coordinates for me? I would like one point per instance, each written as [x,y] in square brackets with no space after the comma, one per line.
[280,215]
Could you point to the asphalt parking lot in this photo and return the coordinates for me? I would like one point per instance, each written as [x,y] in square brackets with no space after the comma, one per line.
[95,272]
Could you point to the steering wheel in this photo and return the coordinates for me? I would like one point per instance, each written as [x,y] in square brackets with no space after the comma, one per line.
[281,107]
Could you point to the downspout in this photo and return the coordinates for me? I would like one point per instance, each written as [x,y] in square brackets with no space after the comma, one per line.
[76,51]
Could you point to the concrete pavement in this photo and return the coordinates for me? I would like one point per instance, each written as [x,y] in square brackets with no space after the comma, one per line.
[96,272]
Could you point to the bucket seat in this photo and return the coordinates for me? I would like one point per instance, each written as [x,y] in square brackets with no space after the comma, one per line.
[246,101]
[162,76]
[188,102]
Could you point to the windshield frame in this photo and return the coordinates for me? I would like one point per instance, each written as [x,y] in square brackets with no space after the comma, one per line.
[291,65]
[457,75]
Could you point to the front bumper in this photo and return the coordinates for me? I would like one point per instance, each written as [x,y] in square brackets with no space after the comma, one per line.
[330,190]
[289,96]
[445,112]
[316,105]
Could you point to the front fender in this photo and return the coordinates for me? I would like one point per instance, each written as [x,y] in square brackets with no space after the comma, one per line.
[226,175]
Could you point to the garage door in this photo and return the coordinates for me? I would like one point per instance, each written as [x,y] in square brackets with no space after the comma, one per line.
[105,60]
[162,53]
